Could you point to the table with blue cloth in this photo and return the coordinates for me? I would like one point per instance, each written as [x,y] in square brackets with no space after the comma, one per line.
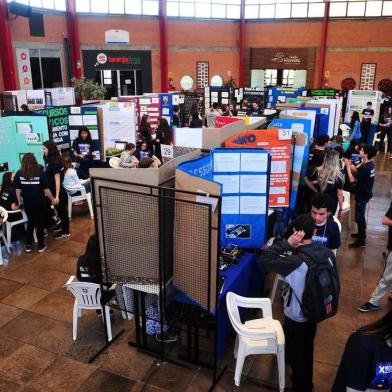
[246,278]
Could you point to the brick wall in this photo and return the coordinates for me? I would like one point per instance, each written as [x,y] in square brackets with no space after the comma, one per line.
[349,43]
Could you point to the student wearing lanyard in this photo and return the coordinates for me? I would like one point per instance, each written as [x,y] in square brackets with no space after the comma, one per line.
[326,229]
[31,183]
[55,172]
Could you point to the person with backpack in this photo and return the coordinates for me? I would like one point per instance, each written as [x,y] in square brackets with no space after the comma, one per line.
[311,296]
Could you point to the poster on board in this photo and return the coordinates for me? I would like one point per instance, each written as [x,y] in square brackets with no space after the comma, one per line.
[278,143]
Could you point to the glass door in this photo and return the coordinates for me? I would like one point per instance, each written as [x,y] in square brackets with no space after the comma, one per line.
[127,82]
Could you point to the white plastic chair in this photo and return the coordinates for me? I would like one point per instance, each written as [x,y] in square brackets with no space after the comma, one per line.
[87,296]
[260,336]
[377,138]
[278,278]
[114,162]
[4,217]
[78,197]
[340,229]
[346,208]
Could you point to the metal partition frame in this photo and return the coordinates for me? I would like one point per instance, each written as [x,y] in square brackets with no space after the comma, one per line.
[114,203]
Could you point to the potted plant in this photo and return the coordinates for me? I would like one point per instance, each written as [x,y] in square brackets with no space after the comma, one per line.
[87,89]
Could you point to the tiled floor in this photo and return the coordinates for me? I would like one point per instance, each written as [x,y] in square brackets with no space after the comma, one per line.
[37,352]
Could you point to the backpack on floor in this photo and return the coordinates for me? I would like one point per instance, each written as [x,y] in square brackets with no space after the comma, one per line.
[320,298]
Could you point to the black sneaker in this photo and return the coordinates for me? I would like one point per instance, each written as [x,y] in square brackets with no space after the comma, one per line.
[368,307]
[357,244]
[28,248]
[60,235]
[42,248]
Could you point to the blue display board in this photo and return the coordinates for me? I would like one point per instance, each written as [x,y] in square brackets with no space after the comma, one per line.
[244,177]
[168,101]
[282,93]
[322,120]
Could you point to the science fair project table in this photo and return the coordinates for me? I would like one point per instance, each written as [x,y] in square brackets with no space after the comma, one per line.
[246,278]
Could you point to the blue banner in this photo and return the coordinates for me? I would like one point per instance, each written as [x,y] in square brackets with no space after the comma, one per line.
[282,93]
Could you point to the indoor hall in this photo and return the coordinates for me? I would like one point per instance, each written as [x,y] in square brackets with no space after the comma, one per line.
[37,351]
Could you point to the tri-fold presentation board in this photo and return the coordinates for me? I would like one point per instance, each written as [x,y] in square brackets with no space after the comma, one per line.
[278,143]
[19,135]
[281,94]
[168,101]
[151,105]
[244,178]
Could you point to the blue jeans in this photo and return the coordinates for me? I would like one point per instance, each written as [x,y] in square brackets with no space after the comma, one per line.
[360,219]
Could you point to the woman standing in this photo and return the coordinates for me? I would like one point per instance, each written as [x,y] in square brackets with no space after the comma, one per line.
[32,184]
[355,125]
[328,178]
[163,136]
[82,149]
[146,131]
[54,169]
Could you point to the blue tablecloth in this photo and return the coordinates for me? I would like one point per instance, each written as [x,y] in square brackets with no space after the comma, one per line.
[246,279]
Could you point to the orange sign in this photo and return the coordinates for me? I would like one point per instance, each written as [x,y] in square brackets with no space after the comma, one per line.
[278,143]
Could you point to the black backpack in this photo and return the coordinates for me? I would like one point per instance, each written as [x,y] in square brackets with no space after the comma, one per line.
[320,298]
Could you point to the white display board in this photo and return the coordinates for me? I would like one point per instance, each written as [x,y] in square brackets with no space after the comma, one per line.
[62,96]
[119,123]
[306,114]
[35,99]
[357,99]
[188,137]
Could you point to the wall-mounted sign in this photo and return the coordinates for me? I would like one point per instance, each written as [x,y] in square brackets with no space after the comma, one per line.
[281,57]
[284,58]
[24,69]
[117,37]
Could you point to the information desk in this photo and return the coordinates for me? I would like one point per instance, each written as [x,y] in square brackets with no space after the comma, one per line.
[246,279]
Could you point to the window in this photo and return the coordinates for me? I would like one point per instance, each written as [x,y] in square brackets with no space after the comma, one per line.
[270,77]
[337,9]
[356,8]
[288,77]
[83,6]
[299,10]
[387,8]
[316,10]
[373,8]
[99,6]
[45,68]
[150,7]
[116,6]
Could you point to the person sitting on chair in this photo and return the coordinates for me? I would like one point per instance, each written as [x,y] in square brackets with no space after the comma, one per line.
[127,158]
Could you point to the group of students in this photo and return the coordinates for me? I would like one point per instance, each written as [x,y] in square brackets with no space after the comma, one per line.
[147,153]
[40,192]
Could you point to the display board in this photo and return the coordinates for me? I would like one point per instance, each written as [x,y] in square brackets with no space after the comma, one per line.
[151,105]
[118,123]
[278,143]
[135,101]
[61,96]
[19,135]
[244,177]
[58,124]
[281,94]
[168,101]
[304,114]
[87,116]
[221,95]
[35,99]
[356,101]
[221,121]
[8,99]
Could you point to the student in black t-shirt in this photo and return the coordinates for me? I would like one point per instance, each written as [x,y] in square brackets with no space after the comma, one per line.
[82,148]
[196,121]
[363,174]
[54,169]
[176,116]
[367,115]
[327,231]
[163,135]
[8,199]
[328,178]
[318,151]
[367,359]
[32,184]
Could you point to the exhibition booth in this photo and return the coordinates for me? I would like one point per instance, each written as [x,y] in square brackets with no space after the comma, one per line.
[176,239]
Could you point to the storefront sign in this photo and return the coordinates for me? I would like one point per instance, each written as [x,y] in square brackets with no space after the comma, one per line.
[24,68]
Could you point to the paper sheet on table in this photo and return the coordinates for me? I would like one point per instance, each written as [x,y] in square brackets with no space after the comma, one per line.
[227,162]
[230,183]
[254,205]
[254,162]
[75,120]
[253,184]
[90,119]
[230,205]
